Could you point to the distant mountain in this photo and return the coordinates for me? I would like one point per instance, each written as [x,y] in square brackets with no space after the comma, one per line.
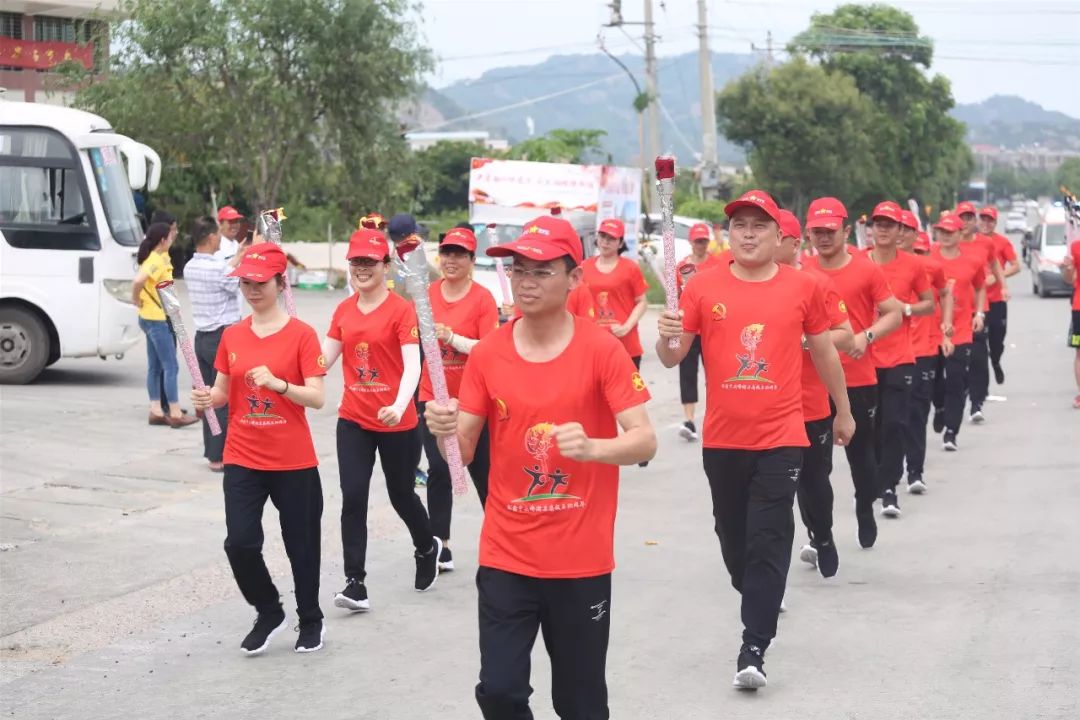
[604,100]
[1012,122]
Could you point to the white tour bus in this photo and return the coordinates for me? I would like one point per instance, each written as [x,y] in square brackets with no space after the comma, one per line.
[68,236]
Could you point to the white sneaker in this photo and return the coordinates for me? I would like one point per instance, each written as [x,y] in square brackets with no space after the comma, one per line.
[977,417]
[688,432]
[749,678]
[808,555]
[918,487]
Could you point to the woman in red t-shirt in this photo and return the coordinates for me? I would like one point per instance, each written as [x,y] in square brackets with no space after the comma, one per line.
[279,372]
[374,331]
[464,312]
[617,286]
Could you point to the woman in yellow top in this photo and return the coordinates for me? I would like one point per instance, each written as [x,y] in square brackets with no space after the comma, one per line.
[162,368]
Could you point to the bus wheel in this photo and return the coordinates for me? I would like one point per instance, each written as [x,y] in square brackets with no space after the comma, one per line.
[24,346]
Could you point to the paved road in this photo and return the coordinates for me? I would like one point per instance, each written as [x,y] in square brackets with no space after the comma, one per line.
[117,600]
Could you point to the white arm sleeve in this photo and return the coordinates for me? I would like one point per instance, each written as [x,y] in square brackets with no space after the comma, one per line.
[410,355]
[463,344]
[331,350]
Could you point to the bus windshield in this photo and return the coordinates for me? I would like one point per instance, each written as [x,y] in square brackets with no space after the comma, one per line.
[112,183]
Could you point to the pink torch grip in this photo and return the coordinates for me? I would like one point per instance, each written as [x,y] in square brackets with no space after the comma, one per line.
[171,304]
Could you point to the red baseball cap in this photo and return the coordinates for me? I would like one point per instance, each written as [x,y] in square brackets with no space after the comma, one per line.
[228,213]
[261,262]
[700,231]
[908,219]
[543,238]
[368,243]
[460,237]
[789,224]
[826,212]
[888,210]
[949,223]
[922,242]
[964,208]
[756,199]
[613,227]
[989,211]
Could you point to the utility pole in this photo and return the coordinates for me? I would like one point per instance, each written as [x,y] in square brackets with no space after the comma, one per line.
[709,160]
[652,119]
[768,49]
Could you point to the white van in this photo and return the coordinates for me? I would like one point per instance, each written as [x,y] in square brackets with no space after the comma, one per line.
[1047,248]
[69,232]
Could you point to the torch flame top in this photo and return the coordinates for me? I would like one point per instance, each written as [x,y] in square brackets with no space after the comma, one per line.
[665,167]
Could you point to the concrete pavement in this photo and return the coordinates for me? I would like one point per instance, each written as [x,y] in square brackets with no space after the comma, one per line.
[117,600]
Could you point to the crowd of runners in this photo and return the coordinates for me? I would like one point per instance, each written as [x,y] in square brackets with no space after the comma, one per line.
[806,342]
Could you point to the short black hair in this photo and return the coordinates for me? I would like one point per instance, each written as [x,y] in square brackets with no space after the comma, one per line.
[203,228]
[570,263]
[162,216]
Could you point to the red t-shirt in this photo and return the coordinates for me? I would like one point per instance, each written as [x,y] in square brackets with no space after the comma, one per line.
[371,359]
[965,274]
[862,285]
[267,431]
[926,329]
[547,516]
[907,278]
[815,399]
[473,316]
[614,296]
[1074,250]
[686,269]
[751,345]
[1005,253]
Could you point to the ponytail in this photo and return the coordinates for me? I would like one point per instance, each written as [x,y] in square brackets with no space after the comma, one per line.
[154,235]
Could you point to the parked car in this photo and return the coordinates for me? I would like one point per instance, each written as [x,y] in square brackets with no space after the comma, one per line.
[1016,221]
[1046,252]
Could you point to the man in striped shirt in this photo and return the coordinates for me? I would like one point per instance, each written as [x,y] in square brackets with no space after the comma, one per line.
[215,304]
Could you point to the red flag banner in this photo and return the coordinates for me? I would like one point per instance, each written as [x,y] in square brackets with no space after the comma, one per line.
[43,55]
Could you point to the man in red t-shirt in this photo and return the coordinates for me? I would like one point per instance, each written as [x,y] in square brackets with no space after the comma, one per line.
[965,272]
[815,493]
[1069,272]
[752,315]
[699,260]
[997,294]
[554,390]
[894,356]
[874,313]
[928,334]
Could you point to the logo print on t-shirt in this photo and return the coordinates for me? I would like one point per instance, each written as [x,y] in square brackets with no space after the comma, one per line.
[638,382]
[501,410]
[539,441]
[719,311]
[259,404]
[604,314]
[752,368]
[367,375]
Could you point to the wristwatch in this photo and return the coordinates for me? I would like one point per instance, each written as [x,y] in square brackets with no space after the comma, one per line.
[869,336]
[907,309]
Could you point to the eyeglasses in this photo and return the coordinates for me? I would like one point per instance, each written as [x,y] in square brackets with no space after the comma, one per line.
[363,262]
[538,274]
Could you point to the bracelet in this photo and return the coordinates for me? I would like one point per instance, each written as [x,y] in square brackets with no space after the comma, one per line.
[282,392]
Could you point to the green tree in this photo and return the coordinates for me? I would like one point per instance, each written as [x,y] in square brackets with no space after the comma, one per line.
[265,100]
[441,176]
[709,210]
[562,146]
[920,150]
[804,129]
[1068,175]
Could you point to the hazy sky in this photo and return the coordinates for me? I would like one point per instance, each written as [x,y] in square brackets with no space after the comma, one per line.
[985,47]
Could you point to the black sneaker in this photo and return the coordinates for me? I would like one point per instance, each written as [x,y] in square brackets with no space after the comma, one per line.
[353,597]
[427,566]
[446,560]
[890,507]
[688,431]
[867,528]
[999,374]
[311,636]
[916,485]
[949,443]
[939,420]
[750,672]
[828,561]
[267,625]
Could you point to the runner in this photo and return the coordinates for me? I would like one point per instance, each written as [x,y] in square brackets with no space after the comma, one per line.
[894,356]
[965,272]
[554,390]
[377,332]
[928,334]
[269,453]
[866,293]
[997,294]
[979,369]
[1069,272]
[698,260]
[752,316]
[617,287]
[815,492]
[464,312]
